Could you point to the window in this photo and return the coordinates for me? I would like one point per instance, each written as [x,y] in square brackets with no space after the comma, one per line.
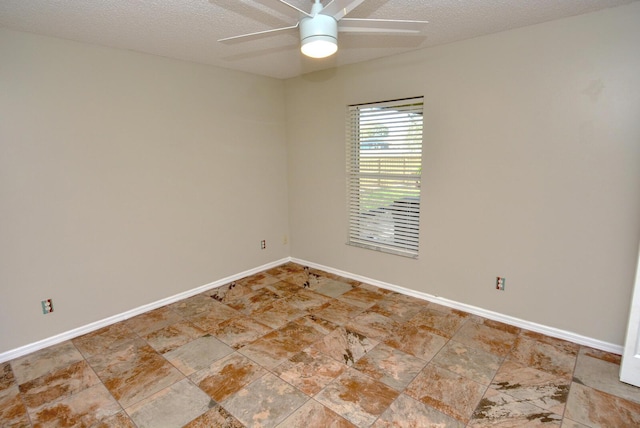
[384,166]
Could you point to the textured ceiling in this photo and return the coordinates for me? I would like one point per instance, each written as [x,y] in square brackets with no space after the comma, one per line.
[188,29]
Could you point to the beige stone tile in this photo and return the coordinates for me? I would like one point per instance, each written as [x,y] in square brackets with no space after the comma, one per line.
[472,363]
[229,292]
[301,279]
[119,420]
[481,336]
[265,402]
[544,355]
[58,384]
[84,409]
[357,398]
[314,415]
[451,311]
[134,371]
[501,326]
[13,413]
[345,346]
[198,354]
[99,341]
[390,366]
[301,332]
[309,371]
[268,353]
[195,305]
[531,385]
[310,328]
[598,409]
[216,314]
[321,273]
[254,301]
[447,392]
[275,347]
[373,288]
[568,423]
[240,331]
[283,289]
[315,278]
[41,362]
[410,413]
[7,379]
[217,417]
[352,282]
[286,269]
[291,273]
[339,312]
[563,345]
[604,376]
[497,409]
[174,406]
[308,300]
[417,340]
[601,355]
[399,307]
[476,319]
[443,323]
[227,376]
[153,320]
[171,337]
[362,297]
[373,325]
[329,287]
[258,281]
[277,314]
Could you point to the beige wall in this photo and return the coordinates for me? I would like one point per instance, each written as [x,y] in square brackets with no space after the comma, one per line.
[531,170]
[127,178]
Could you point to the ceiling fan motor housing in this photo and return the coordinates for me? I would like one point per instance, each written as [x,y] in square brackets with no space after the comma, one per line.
[318,29]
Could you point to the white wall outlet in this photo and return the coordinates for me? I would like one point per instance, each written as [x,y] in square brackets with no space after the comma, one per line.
[500,280]
[47,306]
[263,244]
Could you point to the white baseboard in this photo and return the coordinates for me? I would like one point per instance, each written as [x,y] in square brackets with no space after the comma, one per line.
[538,328]
[88,328]
[495,316]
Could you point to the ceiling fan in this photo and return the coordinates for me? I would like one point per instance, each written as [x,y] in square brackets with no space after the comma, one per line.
[319,28]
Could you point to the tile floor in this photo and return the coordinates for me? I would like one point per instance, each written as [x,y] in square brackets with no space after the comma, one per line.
[293,347]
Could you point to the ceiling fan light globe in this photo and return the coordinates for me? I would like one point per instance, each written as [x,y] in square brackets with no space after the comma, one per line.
[318,36]
[319,46]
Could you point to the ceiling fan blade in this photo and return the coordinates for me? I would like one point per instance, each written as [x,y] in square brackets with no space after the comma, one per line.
[339,8]
[296,8]
[256,35]
[396,26]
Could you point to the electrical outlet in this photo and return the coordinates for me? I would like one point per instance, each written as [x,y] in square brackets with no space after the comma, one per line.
[263,244]
[47,306]
[500,280]
[285,240]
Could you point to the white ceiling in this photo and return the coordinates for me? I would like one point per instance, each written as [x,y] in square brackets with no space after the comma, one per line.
[188,29]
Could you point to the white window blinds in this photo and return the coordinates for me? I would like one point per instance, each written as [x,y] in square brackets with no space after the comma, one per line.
[384,166]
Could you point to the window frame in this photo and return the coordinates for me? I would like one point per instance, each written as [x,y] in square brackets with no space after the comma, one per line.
[384,145]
